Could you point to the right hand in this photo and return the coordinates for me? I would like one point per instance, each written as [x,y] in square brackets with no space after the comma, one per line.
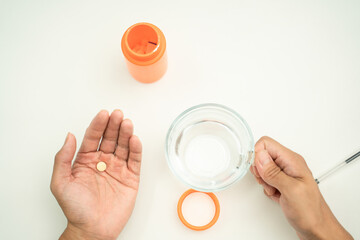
[287,180]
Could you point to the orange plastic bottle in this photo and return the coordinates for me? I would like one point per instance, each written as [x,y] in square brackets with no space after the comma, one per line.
[144,48]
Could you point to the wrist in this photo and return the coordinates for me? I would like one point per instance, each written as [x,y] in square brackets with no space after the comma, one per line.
[72,232]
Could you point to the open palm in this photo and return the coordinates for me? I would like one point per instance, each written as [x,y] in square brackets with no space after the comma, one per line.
[98,204]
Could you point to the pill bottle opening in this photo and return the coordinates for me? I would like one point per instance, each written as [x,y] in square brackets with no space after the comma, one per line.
[142,39]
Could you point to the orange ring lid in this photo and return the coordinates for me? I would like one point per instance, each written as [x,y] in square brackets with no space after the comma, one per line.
[186,223]
[143,44]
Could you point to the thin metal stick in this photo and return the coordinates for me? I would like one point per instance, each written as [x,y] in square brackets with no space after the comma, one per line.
[337,167]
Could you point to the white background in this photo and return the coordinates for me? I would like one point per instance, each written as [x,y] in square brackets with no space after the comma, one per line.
[290,68]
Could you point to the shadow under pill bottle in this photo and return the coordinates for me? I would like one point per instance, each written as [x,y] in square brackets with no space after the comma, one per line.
[144,48]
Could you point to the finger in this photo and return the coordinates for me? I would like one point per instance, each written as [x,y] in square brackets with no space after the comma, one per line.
[109,141]
[256,172]
[259,180]
[290,162]
[63,159]
[94,132]
[257,177]
[270,172]
[251,170]
[272,197]
[135,148]
[273,147]
[126,131]
[269,189]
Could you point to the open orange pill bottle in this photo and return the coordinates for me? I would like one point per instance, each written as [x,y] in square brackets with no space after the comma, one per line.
[144,48]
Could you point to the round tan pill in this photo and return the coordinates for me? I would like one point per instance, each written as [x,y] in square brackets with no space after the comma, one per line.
[101,166]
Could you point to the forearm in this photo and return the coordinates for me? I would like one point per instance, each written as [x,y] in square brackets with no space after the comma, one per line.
[330,229]
[332,234]
[333,231]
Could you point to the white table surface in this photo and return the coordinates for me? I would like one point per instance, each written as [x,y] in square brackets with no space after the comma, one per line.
[290,68]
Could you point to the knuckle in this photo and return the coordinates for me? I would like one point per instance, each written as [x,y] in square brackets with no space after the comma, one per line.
[301,158]
[136,156]
[259,144]
[264,138]
[271,172]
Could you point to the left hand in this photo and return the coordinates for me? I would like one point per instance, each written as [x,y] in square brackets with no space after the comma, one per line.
[98,204]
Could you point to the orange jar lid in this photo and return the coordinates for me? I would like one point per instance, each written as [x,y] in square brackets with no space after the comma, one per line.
[193,227]
[143,44]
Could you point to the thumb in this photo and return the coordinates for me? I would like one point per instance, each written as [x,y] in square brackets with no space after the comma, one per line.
[270,172]
[63,159]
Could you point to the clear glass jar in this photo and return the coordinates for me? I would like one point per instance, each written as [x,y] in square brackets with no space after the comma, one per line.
[209,147]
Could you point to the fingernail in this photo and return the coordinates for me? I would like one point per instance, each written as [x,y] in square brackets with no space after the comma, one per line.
[264,160]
